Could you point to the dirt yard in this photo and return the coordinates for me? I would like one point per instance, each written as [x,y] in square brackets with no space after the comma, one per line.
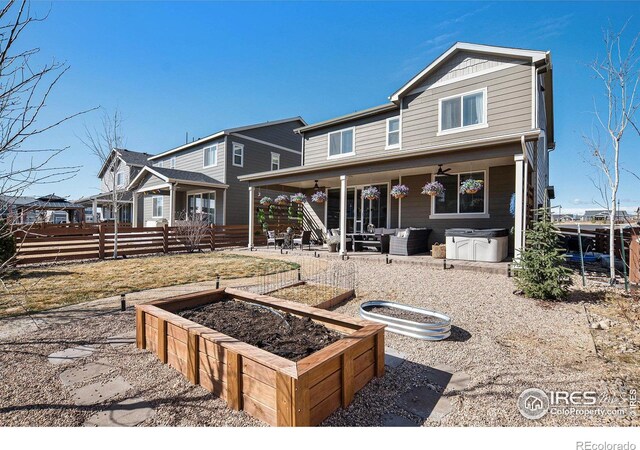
[45,287]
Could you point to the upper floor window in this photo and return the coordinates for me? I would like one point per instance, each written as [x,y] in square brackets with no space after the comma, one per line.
[158,164]
[210,156]
[393,132]
[341,142]
[120,179]
[238,155]
[275,161]
[172,163]
[462,112]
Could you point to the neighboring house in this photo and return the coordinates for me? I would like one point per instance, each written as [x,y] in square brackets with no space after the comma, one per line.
[477,111]
[121,167]
[200,179]
[47,208]
[603,215]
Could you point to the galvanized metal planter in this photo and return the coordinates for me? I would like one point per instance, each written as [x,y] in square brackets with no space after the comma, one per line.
[426,331]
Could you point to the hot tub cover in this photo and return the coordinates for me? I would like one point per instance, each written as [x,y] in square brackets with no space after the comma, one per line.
[479,233]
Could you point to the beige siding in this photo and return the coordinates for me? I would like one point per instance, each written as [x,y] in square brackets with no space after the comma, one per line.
[148,213]
[192,159]
[150,180]
[509,108]
[370,139]
[106,183]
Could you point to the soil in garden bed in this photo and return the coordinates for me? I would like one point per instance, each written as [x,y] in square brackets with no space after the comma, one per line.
[406,315]
[277,332]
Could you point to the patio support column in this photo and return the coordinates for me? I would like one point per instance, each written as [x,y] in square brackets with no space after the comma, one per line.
[251,215]
[519,213]
[172,203]
[400,205]
[134,209]
[94,209]
[343,214]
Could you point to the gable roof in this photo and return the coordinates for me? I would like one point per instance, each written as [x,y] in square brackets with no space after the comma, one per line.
[533,55]
[129,157]
[225,132]
[347,117]
[176,176]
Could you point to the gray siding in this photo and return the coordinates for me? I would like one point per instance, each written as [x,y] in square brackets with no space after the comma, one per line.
[370,139]
[147,210]
[257,158]
[192,159]
[280,134]
[106,182]
[150,180]
[181,206]
[416,207]
[509,108]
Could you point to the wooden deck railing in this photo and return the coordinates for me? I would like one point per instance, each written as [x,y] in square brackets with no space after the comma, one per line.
[52,244]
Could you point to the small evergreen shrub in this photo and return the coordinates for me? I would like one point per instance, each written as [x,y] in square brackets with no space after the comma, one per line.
[7,243]
[540,271]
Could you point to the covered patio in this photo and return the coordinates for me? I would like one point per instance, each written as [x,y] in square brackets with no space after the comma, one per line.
[505,170]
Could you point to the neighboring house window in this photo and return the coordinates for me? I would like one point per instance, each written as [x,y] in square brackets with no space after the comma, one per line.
[238,155]
[156,206]
[172,163]
[202,206]
[158,164]
[464,111]
[393,132]
[120,179]
[210,156]
[453,201]
[341,142]
[275,161]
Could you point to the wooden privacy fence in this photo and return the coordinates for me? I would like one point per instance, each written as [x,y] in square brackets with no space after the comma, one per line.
[39,245]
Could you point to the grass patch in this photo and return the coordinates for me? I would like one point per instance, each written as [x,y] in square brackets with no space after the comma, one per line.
[42,288]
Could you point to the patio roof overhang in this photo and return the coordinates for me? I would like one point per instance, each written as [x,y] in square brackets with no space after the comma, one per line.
[484,149]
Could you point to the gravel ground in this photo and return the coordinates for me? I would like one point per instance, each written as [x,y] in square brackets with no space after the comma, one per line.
[505,343]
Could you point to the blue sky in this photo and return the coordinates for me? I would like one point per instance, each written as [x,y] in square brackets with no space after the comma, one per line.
[176,67]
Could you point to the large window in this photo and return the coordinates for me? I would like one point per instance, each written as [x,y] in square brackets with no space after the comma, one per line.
[156,206]
[463,111]
[210,156]
[341,142]
[202,206]
[393,132]
[238,155]
[454,201]
[275,161]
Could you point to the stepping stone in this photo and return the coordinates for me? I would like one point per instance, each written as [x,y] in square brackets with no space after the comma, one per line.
[122,339]
[393,358]
[425,403]
[84,373]
[127,413]
[70,355]
[440,375]
[459,381]
[100,392]
[394,420]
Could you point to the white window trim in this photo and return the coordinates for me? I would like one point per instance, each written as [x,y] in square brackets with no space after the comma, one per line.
[118,173]
[153,209]
[275,156]
[353,143]
[485,189]
[235,146]
[463,128]
[399,144]
[172,162]
[158,164]
[213,147]
[215,201]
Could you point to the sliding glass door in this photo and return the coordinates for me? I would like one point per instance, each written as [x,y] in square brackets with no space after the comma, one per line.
[360,212]
[202,206]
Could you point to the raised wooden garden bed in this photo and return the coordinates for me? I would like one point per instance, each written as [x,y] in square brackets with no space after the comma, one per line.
[316,295]
[269,387]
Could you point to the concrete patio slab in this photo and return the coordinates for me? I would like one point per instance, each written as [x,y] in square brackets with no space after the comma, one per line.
[425,403]
[84,373]
[70,355]
[393,358]
[99,392]
[394,420]
[127,413]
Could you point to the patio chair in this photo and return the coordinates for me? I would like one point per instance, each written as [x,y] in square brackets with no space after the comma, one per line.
[336,232]
[304,239]
[271,238]
[416,241]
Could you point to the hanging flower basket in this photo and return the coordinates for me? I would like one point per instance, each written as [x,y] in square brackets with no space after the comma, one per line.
[399,191]
[371,193]
[319,197]
[298,198]
[266,201]
[433,188]
[281,200]
[471,186]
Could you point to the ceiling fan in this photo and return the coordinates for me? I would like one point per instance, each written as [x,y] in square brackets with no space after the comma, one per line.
[443,171]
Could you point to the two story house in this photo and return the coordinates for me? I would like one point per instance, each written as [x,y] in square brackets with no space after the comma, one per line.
[477,112]
[117,171]
[200,178]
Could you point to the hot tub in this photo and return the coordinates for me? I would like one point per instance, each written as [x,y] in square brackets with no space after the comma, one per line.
[472,244]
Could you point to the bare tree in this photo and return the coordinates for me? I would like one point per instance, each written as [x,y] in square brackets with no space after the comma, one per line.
[25,88]
[105,143]
[618,71]
[191,230]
